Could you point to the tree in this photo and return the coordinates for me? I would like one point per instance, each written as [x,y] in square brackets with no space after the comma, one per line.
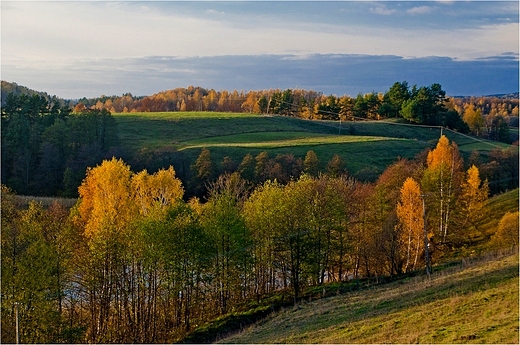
[262,160]
[229,240]
[442,178]
[474,120]
[247,167]
[474,196]
[154,194]
[311,163]
[387,195]
[507,232]
[228,165]
[264,214]
[336,166]
[106,212]
[394,98]
[106,205]
[35,258]
[204,166]
[410,214]
[263,104]
[426,105]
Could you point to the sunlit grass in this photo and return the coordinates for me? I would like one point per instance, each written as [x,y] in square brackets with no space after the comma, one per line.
[269,140]
[478,304]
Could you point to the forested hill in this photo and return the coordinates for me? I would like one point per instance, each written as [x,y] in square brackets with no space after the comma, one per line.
[18,90]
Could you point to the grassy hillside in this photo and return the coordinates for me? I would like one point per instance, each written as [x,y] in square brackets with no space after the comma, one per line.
[369,146]
[475,302]
[476,282]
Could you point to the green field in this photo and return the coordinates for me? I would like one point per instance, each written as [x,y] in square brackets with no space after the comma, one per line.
[474,302]
[365,146]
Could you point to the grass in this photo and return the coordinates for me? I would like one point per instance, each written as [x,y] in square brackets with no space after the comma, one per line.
[475,303]
[270,140]
[366,147]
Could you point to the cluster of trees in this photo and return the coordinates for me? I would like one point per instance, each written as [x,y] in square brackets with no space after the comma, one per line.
[46,148]
[260,168]
[134,262]
[489,117]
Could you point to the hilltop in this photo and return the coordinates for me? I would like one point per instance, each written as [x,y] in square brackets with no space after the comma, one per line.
[364,132]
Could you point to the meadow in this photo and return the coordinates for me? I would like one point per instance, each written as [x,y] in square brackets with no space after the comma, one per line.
[366,147]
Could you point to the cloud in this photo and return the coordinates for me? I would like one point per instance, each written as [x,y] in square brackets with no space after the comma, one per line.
[420,10]
[328,73]
[212,11]
[382,10]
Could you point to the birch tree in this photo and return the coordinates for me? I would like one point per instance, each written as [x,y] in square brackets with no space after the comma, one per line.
[409,212]
[441,180]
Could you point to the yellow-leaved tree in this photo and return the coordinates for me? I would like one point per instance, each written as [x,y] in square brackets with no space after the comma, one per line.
[409,212]
[114,206]
[441,181]
[474,196]
[473,117]
[106,200]
[507,232]
[155,193]
[106,209]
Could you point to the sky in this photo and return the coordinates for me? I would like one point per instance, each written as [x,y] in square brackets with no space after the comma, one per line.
[76,49]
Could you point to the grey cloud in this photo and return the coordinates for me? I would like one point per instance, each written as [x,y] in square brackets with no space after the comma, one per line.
[331,74]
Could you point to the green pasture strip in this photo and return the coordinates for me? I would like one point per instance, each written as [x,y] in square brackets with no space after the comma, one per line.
[236,134]
[475,304]
[271,140]
[398,129]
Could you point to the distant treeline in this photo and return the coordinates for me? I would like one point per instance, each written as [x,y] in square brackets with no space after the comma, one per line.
[487,116]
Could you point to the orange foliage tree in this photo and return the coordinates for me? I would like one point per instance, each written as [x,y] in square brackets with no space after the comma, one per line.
[409,212]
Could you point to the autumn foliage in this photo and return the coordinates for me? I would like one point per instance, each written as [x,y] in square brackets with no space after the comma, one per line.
[134,262]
